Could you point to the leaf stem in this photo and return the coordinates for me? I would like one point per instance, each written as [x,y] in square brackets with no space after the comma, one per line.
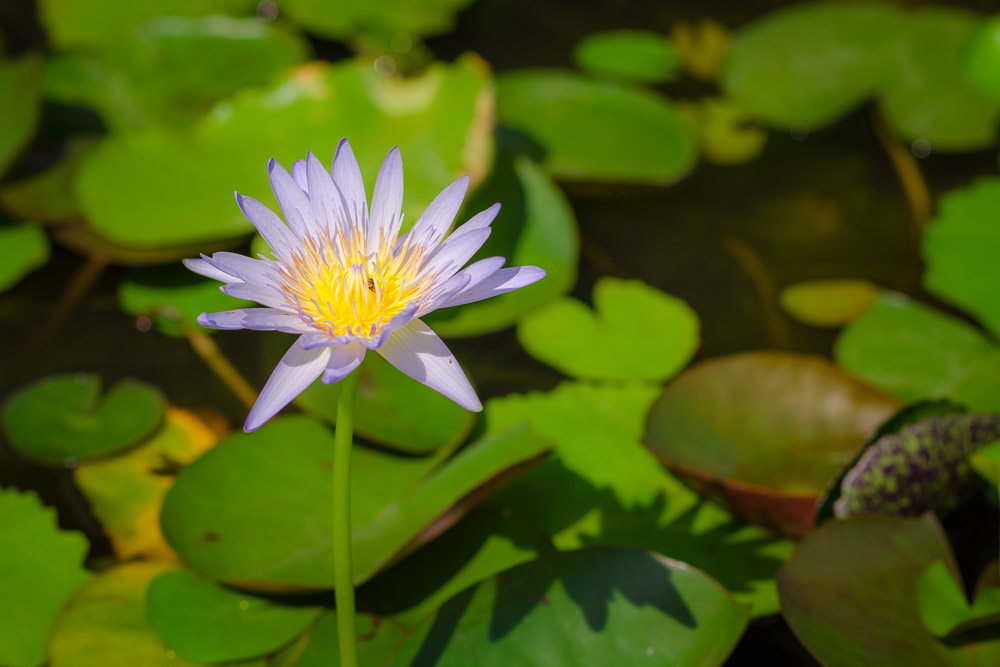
[343,577]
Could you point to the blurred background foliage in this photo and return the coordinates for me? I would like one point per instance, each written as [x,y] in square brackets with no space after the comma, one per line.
[748,417]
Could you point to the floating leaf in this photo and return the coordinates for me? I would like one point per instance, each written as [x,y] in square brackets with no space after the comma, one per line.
[829,303]
[629,55]
[21,91]
[925,95]
[981,64]
[596,131]
[849,594]
[172,295]
[765,431]
[23,248]
[703,46]
[808,64]
[728,133]
[206,622]
[64,417]
[610,606]
[916,352]
[48,196]
[342,19]
[960,247]
[440,120]
[536,227]
[219,522]
[42,567]
[637,333]
[422,420]
[377,639]
[126,492]
[943,606]
[986,461]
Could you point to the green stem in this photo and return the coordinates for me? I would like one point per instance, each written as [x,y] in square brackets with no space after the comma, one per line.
[343,577]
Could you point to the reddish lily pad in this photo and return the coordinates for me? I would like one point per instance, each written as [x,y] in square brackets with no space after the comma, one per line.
[765,432]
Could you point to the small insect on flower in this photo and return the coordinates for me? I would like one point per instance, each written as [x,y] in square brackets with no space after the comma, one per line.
[346,281]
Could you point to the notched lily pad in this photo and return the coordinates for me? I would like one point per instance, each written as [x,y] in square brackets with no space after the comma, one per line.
[765,432]
[65,418]
[944,607]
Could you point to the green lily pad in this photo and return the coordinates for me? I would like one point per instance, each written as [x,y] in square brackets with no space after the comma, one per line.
[23,248]
[981,64]
[637,333]
[629,55]
[728,133]
[422,420]
[597,131]
[829,303]
[341,19]
[593,606]
[960,246]
[807,65]
[218,521]
[918,353]
[765,432]
[208,623]
[42,567]
[986,461]
[536,227]
[48,196]
[440,121]
[20,88]
[65,418]
[172,295]
[925,95]
[944,607]
[378,638]
[849,594]
[171,69]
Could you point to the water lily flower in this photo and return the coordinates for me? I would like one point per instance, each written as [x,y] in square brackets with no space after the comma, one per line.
[346,281]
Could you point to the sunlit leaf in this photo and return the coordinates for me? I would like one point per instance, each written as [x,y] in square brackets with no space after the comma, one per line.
[20,88]
[916,352]
[341,19]
[594,606]
[829,303]
[440,121]
[203,621]
[594,131]
[943,606]
[42,567]
[765,431]
[629,55]
[125,492]
[23,248]
[64,417]
[635,332]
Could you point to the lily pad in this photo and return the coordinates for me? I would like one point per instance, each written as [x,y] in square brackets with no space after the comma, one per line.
[597,131]
[440,121]
[807,65]
[422,419]
[536,227]
[925,95]
[603,606]
[172,295]
[20,88]
[981,64]
[42,567]
[765,432]
[944,607]
[206,622]
[849,594]
[829,303]
[378,638]
[637,333]
[218,521]
[48,196]
[125,492]
[65,418]
[341,19]
[960,246]
[629,55]
[918,353]
[986,461]
[23,248]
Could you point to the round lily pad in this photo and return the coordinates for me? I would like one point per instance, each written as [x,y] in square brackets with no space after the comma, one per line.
[64,417]
[829,303]
[981,64]
[42,568]
[205,622]
[597,131]
[636,333]
[598,606]
[765,431]
[20,88]
[342,19]
[629,55]
[23,248]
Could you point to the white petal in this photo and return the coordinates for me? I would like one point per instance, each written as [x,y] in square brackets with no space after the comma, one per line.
[294,204]
[504,280]
[296,371]
[418,352]
[202,267]
[343,360]
[430,228]
[387,200]
[347,176]
[270,226]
